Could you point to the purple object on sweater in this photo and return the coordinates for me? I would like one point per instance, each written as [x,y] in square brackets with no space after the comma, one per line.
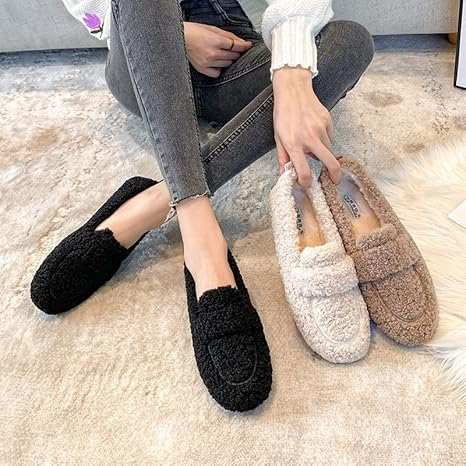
[92,21]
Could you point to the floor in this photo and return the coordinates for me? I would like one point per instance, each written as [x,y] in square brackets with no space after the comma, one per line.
[115,380]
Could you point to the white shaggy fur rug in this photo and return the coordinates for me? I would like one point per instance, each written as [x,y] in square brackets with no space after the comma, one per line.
[423,190]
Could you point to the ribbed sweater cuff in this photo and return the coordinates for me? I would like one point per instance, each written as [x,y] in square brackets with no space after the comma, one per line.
[294,44]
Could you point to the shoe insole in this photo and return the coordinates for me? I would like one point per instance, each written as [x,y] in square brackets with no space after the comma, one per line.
[307,223]
[361,215]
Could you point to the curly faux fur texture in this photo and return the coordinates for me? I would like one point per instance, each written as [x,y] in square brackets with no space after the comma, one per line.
[84,260]
[392,273]
[229,344]
[320,282]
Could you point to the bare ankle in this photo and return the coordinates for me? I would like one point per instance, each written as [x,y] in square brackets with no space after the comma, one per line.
[138,215]
[205,247]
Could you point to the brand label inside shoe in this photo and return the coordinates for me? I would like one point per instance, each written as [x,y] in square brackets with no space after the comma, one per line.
[299,220]
[352,206]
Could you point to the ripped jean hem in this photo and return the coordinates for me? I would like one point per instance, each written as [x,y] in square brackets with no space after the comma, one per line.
[173,204]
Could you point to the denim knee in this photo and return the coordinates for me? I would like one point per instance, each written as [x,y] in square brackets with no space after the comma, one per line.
[356,43]
[122,90]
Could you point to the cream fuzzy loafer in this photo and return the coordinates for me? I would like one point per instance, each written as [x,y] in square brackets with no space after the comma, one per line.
[319,278]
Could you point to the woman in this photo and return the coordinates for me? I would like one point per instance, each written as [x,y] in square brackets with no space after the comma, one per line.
[170,63]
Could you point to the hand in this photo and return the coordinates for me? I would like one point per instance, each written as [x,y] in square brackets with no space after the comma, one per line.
[208,48]
[302,124]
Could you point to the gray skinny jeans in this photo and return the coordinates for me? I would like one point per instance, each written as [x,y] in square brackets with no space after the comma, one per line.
[148,72]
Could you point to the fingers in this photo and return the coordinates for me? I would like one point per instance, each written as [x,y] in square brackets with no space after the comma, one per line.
[328,159]
[330,129]
[211,72]
[326,140]
[230,35]
[282,155]
[225,39]
[216,61]
[239,45]
[301,165]
[226,55]
[324,128]
[221,63]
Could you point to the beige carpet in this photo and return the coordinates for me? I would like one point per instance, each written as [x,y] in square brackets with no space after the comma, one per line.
[115,380]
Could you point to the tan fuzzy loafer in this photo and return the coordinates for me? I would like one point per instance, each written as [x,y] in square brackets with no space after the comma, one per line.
[392,273]
[320,280]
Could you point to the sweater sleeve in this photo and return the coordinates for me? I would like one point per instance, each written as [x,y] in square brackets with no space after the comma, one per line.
[289,28]
[94,15]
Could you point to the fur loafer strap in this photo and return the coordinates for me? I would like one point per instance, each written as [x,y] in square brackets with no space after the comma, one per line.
[384,253]
[222,312]
[324,280]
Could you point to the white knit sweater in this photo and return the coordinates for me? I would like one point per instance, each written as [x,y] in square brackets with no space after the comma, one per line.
[288,27]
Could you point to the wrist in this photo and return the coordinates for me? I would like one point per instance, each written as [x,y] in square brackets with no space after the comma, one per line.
[292,76]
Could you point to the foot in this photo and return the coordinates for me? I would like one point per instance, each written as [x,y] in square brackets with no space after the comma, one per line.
[140,214]
[88,257]
[205,248]
[229,344]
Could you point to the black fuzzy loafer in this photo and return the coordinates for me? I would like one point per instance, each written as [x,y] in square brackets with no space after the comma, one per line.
[229,344]
[84,260]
